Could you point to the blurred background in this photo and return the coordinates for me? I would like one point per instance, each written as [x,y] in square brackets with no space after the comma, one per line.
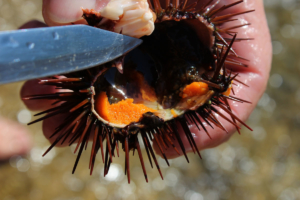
[261,165]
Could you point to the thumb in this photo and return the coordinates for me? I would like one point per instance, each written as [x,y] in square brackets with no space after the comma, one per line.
[57,12]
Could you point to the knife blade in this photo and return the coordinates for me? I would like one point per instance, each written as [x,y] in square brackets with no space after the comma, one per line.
[40,52]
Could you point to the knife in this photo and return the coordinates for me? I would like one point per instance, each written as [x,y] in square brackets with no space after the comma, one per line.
[34,53]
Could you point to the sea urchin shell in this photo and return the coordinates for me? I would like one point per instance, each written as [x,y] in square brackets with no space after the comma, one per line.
[180,75]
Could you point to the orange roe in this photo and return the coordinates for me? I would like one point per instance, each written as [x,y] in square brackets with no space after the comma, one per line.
[174,113]
[123,112]
[195,89]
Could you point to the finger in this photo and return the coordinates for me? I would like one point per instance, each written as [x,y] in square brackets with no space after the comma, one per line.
[259,54]
[57,12]
[258,51]
[15,139]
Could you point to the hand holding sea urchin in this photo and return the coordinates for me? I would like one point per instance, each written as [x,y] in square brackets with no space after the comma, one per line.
[182,74]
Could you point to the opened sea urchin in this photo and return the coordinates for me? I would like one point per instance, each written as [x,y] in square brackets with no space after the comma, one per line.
[180,75]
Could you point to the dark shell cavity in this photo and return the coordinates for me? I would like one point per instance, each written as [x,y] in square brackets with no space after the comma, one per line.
[173,52]
[174,56]
[179,58]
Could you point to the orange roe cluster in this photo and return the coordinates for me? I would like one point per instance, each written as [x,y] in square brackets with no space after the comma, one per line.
[123,112]
[195,89]
[174,113]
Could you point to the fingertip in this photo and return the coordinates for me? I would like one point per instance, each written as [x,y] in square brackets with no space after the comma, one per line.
[57,12]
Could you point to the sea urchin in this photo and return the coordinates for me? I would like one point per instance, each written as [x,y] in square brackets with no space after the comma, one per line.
[180,75]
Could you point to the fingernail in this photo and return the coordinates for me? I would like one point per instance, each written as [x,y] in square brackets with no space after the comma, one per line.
[65,11]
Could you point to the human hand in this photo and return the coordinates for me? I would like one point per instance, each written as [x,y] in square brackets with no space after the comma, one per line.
[258,51]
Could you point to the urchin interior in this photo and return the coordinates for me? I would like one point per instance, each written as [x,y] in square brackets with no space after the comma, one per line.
[174,55]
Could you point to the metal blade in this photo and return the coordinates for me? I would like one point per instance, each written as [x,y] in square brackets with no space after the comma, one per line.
[40,52]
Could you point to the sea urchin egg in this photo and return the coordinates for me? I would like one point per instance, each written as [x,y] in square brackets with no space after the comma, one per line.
[178,76]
